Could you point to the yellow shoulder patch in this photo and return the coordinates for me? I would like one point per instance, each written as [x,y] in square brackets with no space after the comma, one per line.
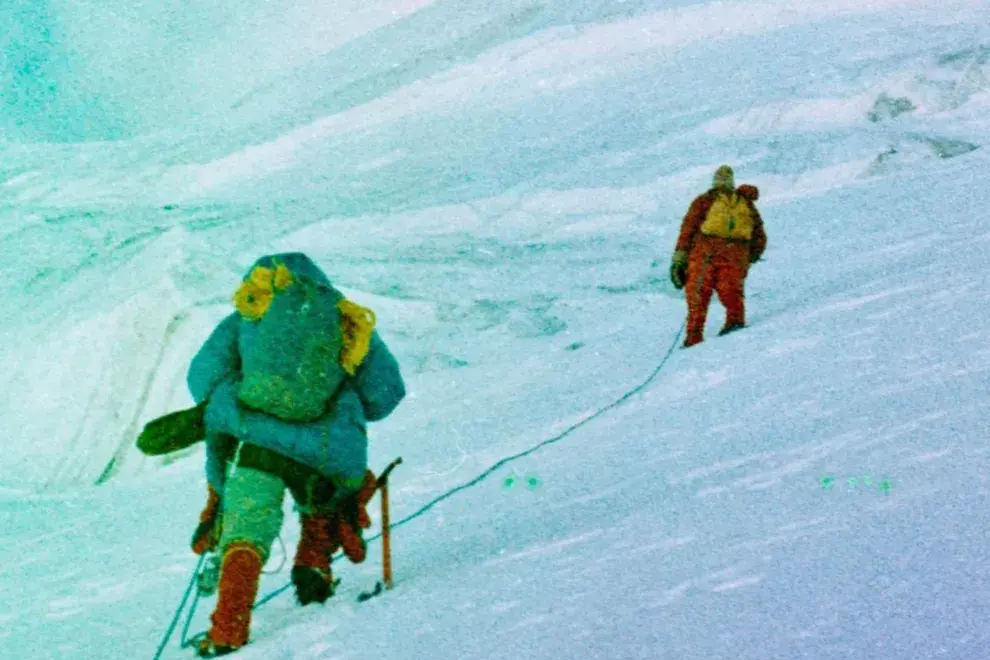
[356,325]
[283,277]
[253,298]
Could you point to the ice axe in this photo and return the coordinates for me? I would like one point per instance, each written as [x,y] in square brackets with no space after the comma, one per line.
[382,484]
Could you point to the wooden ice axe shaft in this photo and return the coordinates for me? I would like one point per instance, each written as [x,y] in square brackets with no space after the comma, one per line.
[386,535]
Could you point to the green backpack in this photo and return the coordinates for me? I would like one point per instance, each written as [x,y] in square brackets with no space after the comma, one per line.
[290,356]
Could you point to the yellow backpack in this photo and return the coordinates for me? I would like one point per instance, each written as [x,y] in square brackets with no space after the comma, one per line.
[729,217]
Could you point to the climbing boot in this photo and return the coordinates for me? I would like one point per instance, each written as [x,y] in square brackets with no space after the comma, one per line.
[692,339]
[311,574]
[207,649]
[730,327]
[240,572]
[313,585]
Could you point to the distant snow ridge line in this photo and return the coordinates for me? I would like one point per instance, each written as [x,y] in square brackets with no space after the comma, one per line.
[127,439]
[915,98]
[946,84]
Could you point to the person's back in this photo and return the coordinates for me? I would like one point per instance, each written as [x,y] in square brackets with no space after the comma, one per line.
[268,431]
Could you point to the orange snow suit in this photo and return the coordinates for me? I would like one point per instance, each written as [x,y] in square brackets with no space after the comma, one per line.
[722,234]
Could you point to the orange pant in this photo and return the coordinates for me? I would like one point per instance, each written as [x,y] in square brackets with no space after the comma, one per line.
[719,265]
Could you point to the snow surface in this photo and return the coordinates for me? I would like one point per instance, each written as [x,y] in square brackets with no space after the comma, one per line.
[495,180]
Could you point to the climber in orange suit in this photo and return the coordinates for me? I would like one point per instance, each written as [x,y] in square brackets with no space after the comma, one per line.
[721,236]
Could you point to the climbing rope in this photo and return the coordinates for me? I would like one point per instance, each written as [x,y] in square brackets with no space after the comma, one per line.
[440,498]
[182,605]
[285,558]
[557,438]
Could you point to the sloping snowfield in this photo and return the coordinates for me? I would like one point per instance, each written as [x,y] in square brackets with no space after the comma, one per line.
[495,181]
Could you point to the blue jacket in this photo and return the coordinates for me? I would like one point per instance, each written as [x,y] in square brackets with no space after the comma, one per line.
[335,445]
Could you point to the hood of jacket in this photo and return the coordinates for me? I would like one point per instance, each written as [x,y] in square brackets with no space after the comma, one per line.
[301,266]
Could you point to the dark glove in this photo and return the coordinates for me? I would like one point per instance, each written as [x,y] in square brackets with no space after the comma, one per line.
[207,533]
[678,269]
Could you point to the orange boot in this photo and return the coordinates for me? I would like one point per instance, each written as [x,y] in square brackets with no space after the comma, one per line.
[239,576]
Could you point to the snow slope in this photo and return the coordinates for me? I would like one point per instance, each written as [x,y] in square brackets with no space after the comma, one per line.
[495,182]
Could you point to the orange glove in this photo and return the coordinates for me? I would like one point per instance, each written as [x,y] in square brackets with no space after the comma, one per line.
[207,533]
[352,517]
